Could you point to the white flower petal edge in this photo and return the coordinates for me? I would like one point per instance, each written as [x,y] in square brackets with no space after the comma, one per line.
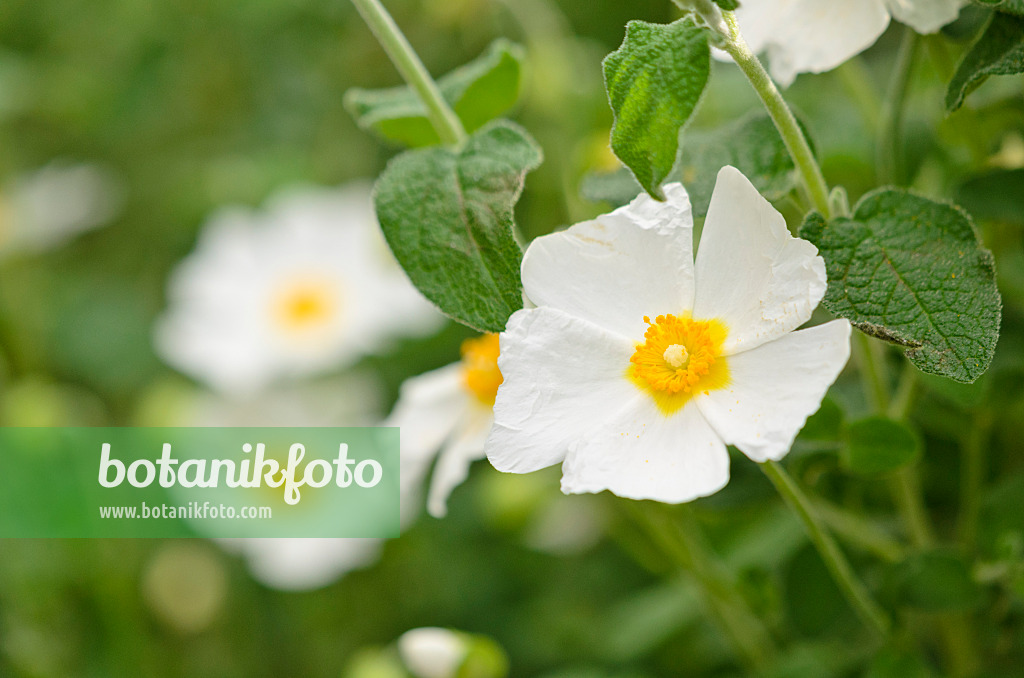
[303,564]
[562,374]
[775,387]
[750,272]
[925,16]
[459,453]
[647,242]
[641,454]
[428,410]
[810,36]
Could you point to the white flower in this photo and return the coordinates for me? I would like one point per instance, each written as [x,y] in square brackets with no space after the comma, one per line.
[639,365]
[303,564]
[52,205]
[447,414]
[349,399]
[814,36]
[303,286]
[432,652]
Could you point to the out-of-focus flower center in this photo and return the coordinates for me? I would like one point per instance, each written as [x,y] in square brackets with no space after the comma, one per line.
[679,358]
[480,367]
[306,305]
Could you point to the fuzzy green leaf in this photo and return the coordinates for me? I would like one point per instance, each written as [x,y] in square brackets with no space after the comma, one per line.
[654,81]
[877,445]
[1011,6]
[478,92]
[998,51]
[911,271]
[751,144]
[448,216]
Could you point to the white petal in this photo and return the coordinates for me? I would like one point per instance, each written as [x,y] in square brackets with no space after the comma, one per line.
[303,564]
[465,447]
[751,273]
[432,652]
[428,410]
[614,270]
[775,388]
[642,454]
[810,36]
[562,376]
[925,16]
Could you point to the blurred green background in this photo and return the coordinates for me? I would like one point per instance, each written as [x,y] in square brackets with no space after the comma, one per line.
[190,105]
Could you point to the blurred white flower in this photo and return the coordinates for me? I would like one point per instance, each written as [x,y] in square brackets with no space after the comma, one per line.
[303,286]
[811,36]
[349,399]
[645,407]
[446,414]
[432,652]
[303,564]
[45,209]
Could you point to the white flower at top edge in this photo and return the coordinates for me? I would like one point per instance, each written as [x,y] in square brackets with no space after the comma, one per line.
[640,364]
[447,414]
[814,36]
[303,286]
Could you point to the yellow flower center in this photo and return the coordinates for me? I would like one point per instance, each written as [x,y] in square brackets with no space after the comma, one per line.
[480,367]
[306,305]
[679,358]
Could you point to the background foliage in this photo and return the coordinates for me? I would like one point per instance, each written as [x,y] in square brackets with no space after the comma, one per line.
[198,104]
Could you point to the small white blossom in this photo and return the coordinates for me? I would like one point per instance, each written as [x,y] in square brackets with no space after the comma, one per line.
[447,414]
[45,209]
[640,364]
[301,287]
[813,36]
[432,652]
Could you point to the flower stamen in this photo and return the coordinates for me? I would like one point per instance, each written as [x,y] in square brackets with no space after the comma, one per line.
[480,367]
[679,358]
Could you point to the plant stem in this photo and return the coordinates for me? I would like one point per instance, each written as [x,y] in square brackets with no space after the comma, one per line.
[906,491]
[870,361]
[865,606]
[887,151]
[781,115]
[679,537]
[859,531]
[973,476]
[447,125]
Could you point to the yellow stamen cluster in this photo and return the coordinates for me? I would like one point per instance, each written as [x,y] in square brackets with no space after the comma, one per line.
[305,306]
[480,367]
[679,358]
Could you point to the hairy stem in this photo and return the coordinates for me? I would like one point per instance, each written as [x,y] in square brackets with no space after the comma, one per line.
[679,537]
[447,125]
[887,150]
[781,115]
[865,606]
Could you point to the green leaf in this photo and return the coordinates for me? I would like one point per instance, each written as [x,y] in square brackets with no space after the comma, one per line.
[448,216]
[998,51]
[727,5]
[935,581]
[877,445]
[994,195]
[911,271]
[654,81]
[1011,6]
[617,188]
[751,144]
[478,92]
